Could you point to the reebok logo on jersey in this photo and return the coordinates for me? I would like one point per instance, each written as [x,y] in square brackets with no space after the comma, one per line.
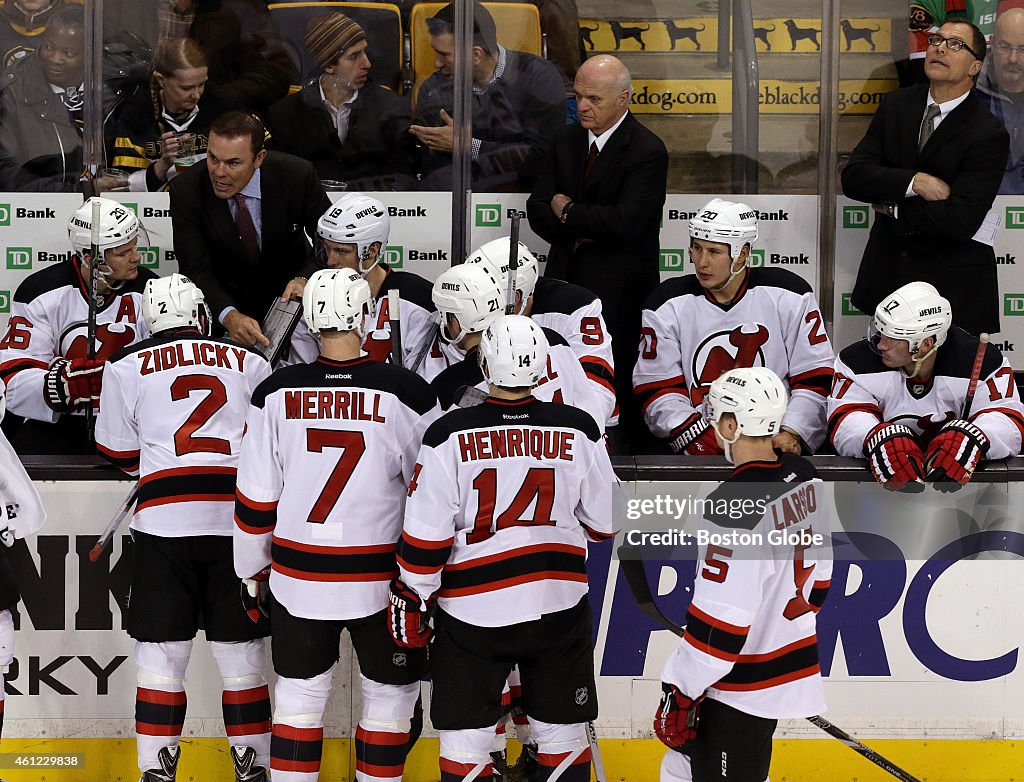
[520,417]
[341,377]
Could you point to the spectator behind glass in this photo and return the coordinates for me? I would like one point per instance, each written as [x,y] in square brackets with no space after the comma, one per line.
[518,105]
[42,111]
[349,128]
[1001,87]
[149,130]
[21,24]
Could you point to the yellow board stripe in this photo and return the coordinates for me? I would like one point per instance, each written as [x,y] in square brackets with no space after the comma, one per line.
[635,760]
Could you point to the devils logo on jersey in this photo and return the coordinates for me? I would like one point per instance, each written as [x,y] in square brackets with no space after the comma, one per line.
[110,338]
[925,427]
[725,350]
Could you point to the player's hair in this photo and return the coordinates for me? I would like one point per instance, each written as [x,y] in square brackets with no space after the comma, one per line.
[72,15]
[977,37]
[233,124]
[485,34]
[171,55]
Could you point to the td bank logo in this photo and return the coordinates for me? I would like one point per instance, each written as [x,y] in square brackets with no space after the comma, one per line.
[150,257]
[5,301]
[671,260]
[856,216]
[488,215]
[133,207]
[756,258]
[1015,217]
[5,214]
[19,258]
[848,308]
[394,256]
[1013,303]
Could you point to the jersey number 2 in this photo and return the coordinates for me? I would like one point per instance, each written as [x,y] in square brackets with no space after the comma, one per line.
[185,440]
[538,485]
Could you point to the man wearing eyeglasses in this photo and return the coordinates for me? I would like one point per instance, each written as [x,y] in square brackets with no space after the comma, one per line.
[1001,88]
[930,164]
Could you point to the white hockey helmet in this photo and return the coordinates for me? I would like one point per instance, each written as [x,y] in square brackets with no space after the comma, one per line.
[174,302]
[470,293]
[914,312]
[118,225]
[725,222]
[360,220]
[494,256]
[336,300]
[754,395]
[513,352]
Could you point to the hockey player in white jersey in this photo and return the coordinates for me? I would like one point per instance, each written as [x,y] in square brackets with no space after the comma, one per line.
[749,655]
[729,315]
[571,311]
[21,514]
[353,234]
[505,496]
[464,296]
[899,397]
[322,478]
[172,412]
[44,353]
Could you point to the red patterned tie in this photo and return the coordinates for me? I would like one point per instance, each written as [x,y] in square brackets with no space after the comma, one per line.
[591,159]
[246,229]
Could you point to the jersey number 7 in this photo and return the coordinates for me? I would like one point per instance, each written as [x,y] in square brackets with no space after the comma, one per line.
[353,446]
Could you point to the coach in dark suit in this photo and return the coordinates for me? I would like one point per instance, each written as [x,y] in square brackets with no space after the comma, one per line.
[240,223]
[931,163]
[598,201]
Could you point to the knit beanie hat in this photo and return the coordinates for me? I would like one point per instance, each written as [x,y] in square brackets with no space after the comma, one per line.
[329,35]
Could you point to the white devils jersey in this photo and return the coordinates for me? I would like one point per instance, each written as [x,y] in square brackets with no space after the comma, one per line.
[575,313]
[322,477]
[865,392]
[172,411]
[440,355]
[564,381]
[688,340]
[49,318]
[751,638]
[502,502]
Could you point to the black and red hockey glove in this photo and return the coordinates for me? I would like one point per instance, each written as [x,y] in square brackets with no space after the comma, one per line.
[408,617]
[677,718]
[72,383]
[696,439]
[895,458]
[256,595]
[953,454]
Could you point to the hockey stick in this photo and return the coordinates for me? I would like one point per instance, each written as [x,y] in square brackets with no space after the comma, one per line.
[979,359]
[632,566]
[395,322]
[513,265]
[94,284]
[595,754]
[114,524]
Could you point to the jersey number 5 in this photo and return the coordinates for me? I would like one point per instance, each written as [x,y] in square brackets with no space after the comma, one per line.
[539,486]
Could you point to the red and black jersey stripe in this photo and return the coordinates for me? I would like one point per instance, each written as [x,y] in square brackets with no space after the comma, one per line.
[187,484]
[1015,417]
[596,535]
[256,518]
[819,592]
[246,712]
[577,771]
[840,413]
[817,380]
[648,393]
[158,712]
[309,562]
[600,371]
[713,636]
[547,561]
[379,753]
[423,556]
[797,660]
[10,368]
[452,771]
[128,461]
[296,749]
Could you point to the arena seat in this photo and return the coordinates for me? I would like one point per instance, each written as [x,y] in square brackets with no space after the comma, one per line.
[518,26]
[381,21]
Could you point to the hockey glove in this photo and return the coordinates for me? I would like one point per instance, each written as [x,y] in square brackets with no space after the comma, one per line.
[895,458]
[255,593]
[408,617]
[695,439]
[953,454]
[72,383]
[677,718]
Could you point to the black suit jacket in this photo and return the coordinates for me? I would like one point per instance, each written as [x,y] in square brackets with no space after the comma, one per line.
[610,241]
[930,240]
[206,238]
